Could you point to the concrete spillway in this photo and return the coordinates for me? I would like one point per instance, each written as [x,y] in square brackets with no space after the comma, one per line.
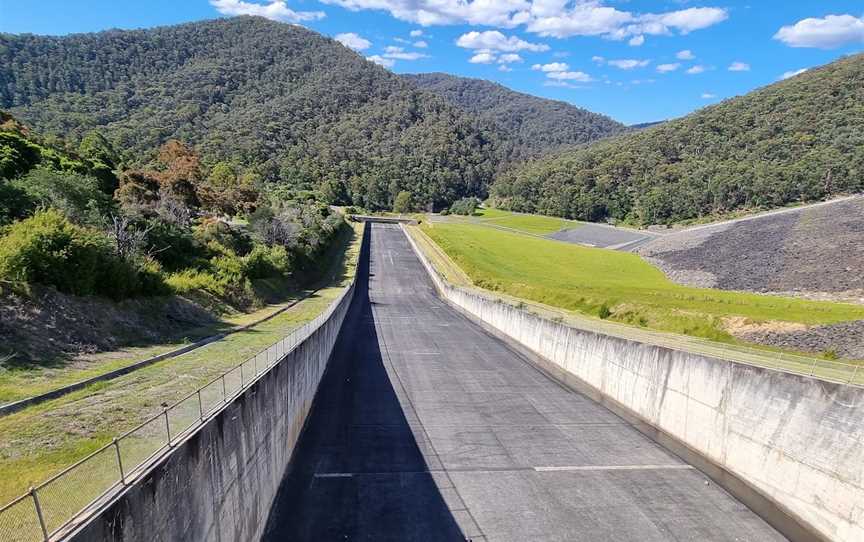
[427,427]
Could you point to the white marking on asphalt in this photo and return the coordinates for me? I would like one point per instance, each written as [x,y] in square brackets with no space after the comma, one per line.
[613,467]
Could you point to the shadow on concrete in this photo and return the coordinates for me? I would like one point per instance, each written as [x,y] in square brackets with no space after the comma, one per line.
[359,471]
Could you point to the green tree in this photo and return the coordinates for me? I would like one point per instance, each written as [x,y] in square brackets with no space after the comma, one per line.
[402,203]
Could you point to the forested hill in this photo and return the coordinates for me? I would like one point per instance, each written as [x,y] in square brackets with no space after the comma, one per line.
[299,108]
[533,126]
[797,140]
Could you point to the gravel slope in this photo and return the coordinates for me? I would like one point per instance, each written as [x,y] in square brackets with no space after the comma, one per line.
[815,252]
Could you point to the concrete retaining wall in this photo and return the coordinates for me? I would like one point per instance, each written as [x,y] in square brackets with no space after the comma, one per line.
[219,483]
[790,447]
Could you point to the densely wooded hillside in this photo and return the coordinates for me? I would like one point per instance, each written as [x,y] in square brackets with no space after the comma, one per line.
[298,107]
[529,125]
[796,140]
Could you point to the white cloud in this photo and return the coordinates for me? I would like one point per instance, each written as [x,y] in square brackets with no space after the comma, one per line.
[562,84]
[493,40]
[582,77]
[504,13]
[381,61]
[352,40]
[556,18]
[276,10]
[739,67]
[666,68]
[637,41]
[504,68]
[420,44]
[628,64]
[592,18]
[686,54]
[696,70]
[688,20]
[416,33]
[398,53]
[552,67]
[708,96]
[789,74]
[482,58]
[829,33]
[509,58]
[598,59]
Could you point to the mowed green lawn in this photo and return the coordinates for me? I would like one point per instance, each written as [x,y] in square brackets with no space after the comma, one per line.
[536,224]
[585,279]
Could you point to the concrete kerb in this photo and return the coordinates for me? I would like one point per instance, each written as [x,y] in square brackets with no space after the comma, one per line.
[617,387]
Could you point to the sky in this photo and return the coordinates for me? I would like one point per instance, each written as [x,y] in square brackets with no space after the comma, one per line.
[634,60]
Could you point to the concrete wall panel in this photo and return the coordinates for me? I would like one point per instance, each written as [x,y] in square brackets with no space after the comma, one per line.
[789,446]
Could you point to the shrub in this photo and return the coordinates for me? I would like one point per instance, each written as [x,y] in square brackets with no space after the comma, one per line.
[464,206]
[219,236]
[80,198]
[264,262]
[48,249]
[171,245]
[190,280]
[604,312]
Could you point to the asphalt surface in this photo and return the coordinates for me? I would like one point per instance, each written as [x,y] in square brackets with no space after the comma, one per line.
[598,235]
[426,427]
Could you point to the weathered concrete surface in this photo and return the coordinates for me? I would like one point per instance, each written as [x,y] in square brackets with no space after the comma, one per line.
[797,441]
[429,428]
[219,483]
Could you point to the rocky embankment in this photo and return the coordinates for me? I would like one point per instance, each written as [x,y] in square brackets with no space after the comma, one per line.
[814,252]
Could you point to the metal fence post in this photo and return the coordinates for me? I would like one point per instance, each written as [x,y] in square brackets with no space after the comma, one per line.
[39,514]
[167,426]
[119,462]
[200,406]
[224,394]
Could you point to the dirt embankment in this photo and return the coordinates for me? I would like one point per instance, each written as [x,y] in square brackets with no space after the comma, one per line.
[44,325]
[814,253]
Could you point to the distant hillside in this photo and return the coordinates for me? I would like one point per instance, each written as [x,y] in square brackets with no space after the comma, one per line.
[532,125]
[298,107]
[797,140]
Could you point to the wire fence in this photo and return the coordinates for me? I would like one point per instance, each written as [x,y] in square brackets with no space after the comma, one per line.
[53,505]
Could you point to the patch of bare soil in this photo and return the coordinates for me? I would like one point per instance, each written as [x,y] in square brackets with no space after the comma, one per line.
[45,326]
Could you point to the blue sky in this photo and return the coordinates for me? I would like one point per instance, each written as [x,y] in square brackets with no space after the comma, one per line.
[634,60]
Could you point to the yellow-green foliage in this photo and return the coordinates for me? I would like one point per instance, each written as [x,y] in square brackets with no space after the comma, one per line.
[48,249]
[585,279]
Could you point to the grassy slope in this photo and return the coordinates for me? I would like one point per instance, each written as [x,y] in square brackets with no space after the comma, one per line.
[39,441]
[583,279]
[534,224]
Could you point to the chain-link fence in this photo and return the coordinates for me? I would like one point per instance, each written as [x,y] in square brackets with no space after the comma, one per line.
[53,505]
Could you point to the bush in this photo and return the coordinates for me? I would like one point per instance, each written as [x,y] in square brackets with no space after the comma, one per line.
[464,206]
[48,249]
[80,198]
[264,262]
[171,245]
[604,312]
[221,237]
[193,279]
